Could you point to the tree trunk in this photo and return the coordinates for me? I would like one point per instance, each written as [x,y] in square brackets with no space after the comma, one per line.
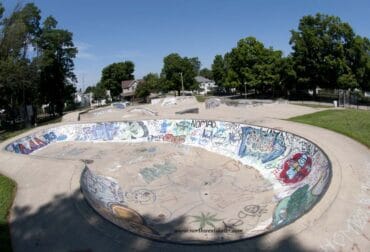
[314,93]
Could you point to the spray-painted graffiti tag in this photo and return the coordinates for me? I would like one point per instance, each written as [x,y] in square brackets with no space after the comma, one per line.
[149,174]
[296,168]
[265,145]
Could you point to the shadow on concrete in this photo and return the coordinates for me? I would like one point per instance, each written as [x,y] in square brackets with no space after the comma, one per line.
[68,223]
[5,244]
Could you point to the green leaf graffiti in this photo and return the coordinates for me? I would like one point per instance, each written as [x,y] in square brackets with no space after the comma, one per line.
[206,220]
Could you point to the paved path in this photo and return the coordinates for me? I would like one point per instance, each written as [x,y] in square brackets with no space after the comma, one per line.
[49,213]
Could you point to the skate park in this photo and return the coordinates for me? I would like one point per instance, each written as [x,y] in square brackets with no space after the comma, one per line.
[228,177]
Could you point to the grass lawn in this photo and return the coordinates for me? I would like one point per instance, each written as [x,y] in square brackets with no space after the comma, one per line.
[7,193]
[200,98]
[312,105]
[350,122]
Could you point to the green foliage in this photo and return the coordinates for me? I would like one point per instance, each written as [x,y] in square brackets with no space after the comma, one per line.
[18,74]
[56,64]
[231,79]
[250,64]
[35,78]
[288,76]
[150,84]
[328,54]
[206,73]
[142,91]
[346,81]
[165,85]
[2,9]
[195,62]
[19,31]
[352,123]
[177,69]
[152,81]
[358,60]
[89,89]
[7,192]
[219,70]
[114,74]
[99,91]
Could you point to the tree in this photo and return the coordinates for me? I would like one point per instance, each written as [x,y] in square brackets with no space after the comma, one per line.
[114,74]
[151,83]
[18,73]
[17,79]
[20,31]
[36,63]
[269,71]
[2,9]
[219,70]
[206,73]
[165,85]
[288,77]
[99,92]
[327,54]
[195,62]
[251,65]
[56,64]
[178,71]
[358,61]
[89,89]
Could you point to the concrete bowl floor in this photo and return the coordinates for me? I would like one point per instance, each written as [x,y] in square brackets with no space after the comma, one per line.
[163,183]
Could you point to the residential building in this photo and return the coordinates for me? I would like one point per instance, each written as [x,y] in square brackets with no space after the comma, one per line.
[205,85]
[129,88]
[83,99]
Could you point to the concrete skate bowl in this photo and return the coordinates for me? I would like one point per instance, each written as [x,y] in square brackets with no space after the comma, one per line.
[190,181]
[116,112]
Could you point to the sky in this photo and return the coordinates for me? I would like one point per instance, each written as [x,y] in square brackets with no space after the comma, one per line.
[145,31]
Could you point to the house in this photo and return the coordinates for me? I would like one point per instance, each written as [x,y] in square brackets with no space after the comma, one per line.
[129,88]
[205,85]
[83,99]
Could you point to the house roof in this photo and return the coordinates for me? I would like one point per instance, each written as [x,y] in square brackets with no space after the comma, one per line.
[202,79]
[127,83]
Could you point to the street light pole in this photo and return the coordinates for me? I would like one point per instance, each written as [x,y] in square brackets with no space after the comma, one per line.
[182,83]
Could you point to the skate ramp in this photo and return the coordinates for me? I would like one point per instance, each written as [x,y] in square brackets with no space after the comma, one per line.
[193,181]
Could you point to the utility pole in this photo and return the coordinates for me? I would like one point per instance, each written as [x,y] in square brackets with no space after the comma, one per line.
[245,90]
[182,83]
[83,82]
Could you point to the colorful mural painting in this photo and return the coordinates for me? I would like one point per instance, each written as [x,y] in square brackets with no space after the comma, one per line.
[296,169]
[263,144]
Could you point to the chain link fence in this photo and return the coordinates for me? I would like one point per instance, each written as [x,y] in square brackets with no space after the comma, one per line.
[339,98]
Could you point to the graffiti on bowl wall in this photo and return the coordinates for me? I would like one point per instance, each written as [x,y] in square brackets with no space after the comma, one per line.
[297,170]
